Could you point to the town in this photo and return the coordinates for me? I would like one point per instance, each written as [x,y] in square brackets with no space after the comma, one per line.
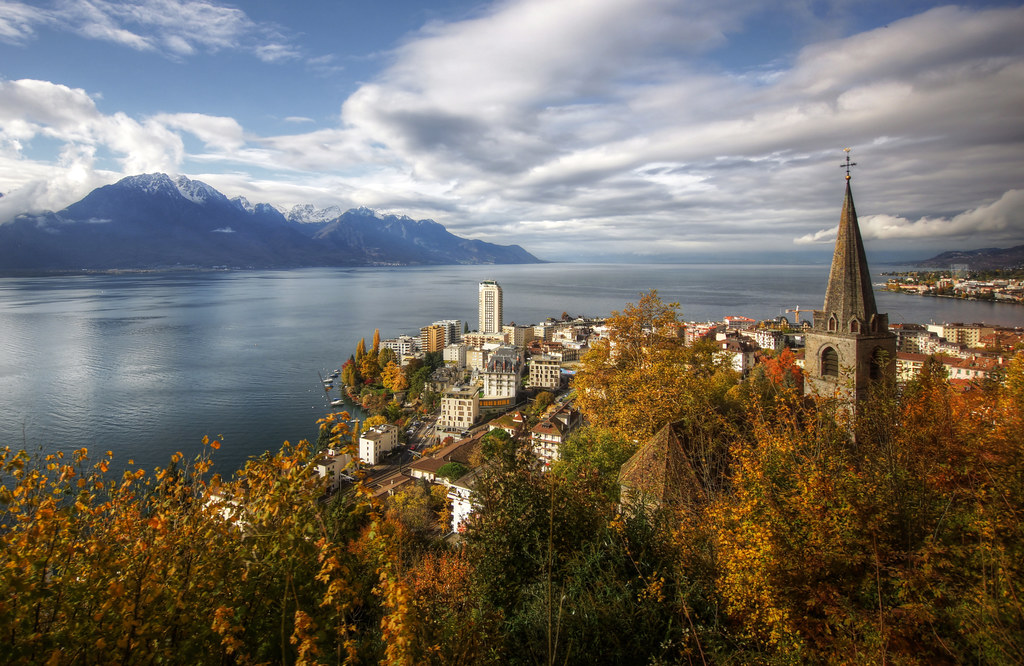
[960,283]
[517,379]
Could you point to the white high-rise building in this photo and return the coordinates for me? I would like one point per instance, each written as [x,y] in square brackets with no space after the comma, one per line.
[490,307]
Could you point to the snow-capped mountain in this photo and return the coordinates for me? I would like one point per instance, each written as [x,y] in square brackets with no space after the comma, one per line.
[153,221]
[310,214]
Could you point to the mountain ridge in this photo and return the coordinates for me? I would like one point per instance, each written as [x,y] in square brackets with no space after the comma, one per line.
[987,258]
[154,221]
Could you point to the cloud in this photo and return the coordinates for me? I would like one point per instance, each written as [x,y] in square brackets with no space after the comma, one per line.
[18,21]
[176,28]
[217,132]
[607,126]
[1001,219]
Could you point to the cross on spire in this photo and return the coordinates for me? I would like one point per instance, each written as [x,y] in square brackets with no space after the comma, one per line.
[847,164]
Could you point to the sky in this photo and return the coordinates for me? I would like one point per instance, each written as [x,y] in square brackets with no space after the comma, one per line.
[582,130]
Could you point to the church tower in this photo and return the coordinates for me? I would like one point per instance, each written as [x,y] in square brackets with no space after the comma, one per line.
[850,344]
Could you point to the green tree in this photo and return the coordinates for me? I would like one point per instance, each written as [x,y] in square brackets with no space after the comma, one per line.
[452,471]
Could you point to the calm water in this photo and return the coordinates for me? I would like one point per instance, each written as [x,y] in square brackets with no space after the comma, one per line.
[146,365]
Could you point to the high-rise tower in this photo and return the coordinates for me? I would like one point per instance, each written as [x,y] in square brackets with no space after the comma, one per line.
[850,344]
[490,307]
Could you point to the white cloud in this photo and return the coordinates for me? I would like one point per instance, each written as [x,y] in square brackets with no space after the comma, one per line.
[18,21]
[217,132]
[177,28]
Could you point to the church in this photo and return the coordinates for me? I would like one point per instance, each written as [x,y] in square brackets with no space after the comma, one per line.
[850,345]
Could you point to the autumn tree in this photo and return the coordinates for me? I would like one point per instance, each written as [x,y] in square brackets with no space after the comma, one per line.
[643,375]
[393,378]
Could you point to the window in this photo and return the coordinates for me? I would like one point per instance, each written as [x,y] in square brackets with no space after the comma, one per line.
[878,363]
[854,326]
[832,324]
[829,362]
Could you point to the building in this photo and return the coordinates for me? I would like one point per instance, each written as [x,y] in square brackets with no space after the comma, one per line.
[501,376]
[518,336]
[331,468]
[432,338]
[849,345]
[490,308]
[455,354]
[403,345]
[460,407]
[738,350]
[452,330]
[377,441]
[545,372]
[548,435]
[965,334]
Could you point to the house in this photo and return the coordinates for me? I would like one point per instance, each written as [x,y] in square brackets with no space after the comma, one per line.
[547,436]
[377,441]
[513,423]
[331,467]
[460,495]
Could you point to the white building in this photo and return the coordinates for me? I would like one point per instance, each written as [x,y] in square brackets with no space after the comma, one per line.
[460,494]
[460,407]
[377,441]
[403,345]
[331,467]
[545,372]
[490,308]
[501,376]
[455,354]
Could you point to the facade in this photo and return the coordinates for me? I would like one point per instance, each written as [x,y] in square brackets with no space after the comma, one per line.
[501,376]
[331,468]
[552,430]
[460,407]
[518,336]
[403,345]
[849,345]
[455,354]
[490,307]
[377,441]
[452,330]
[432,338]
[545,372]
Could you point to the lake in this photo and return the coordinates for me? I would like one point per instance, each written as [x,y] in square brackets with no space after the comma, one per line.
[147,364]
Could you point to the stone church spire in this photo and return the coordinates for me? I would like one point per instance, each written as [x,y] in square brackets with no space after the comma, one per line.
[849,294]
[850,345]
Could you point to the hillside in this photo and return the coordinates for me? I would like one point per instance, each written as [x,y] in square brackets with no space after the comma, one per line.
[153,221]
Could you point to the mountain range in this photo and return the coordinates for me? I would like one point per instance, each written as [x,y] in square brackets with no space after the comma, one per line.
[153,221]
[987,258]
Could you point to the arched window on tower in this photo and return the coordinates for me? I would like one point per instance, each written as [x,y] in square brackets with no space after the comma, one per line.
[829,362]
[832,323]
[855,326]
[879,361]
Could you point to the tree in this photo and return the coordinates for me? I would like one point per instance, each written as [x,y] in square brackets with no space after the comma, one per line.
[373,421]
[393,378]
[541,402]
[593,449]
[376,341]
[643,376]
[453,471]
[368,368]
[360,349]
[387,355]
